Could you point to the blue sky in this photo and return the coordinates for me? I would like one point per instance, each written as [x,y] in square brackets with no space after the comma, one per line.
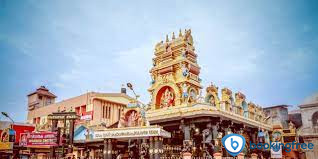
[265,49]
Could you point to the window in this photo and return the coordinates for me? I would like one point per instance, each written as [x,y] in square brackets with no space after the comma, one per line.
[103,111]
[83,109]
[109,112]
[119,108]
[77,110]
[40,97]
[106,111]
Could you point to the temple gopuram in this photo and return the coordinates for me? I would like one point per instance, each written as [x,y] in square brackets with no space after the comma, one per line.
[196,122]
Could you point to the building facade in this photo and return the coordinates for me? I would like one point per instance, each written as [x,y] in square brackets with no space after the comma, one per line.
[94,110]
[277,115]
[309,129]
[92,107]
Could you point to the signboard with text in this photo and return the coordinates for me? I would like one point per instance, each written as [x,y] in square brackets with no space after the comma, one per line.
[38,139]
[62,117]
[131,133]
[87,116]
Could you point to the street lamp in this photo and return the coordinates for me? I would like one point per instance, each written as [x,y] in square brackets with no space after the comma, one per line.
[6,115]
[130,86]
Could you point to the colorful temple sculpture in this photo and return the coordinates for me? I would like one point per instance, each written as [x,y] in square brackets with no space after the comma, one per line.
[196,123]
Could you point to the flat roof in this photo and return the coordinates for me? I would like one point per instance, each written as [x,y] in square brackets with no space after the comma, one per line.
[276,106]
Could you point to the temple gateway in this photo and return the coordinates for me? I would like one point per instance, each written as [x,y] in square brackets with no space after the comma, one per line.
[180,122]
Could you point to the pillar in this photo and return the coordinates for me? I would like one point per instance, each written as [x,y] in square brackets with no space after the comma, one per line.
[109,149]
[71,132]
[105,149]
[151,148]
[160,146]
[156,148]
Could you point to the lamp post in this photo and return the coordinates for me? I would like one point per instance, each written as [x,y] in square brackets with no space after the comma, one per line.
[130,86]
[7,115]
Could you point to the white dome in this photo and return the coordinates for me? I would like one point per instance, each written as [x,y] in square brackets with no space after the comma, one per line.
[311,99]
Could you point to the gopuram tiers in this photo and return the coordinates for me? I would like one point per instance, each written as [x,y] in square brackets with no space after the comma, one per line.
[176,90]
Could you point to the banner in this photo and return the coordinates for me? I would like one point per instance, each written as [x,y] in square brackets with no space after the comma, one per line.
[87,116]
[129,132]
[38,139]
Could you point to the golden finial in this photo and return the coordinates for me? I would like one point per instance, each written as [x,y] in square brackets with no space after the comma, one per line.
[167,38]
[180,33]
[173,37]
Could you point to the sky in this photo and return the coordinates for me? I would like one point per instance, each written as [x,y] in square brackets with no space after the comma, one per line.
[266,49]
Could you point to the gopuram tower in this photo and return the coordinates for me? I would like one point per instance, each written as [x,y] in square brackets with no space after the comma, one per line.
[175,72]
[197,124]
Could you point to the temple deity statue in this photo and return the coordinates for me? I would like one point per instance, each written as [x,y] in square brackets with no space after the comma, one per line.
[185,70]
[239,100]
[153,79]
[131,120]
[167,98]
[212,101]
[212,96]
[185,94]
[192,96]
[227,100]
[188,37]
[251,110]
